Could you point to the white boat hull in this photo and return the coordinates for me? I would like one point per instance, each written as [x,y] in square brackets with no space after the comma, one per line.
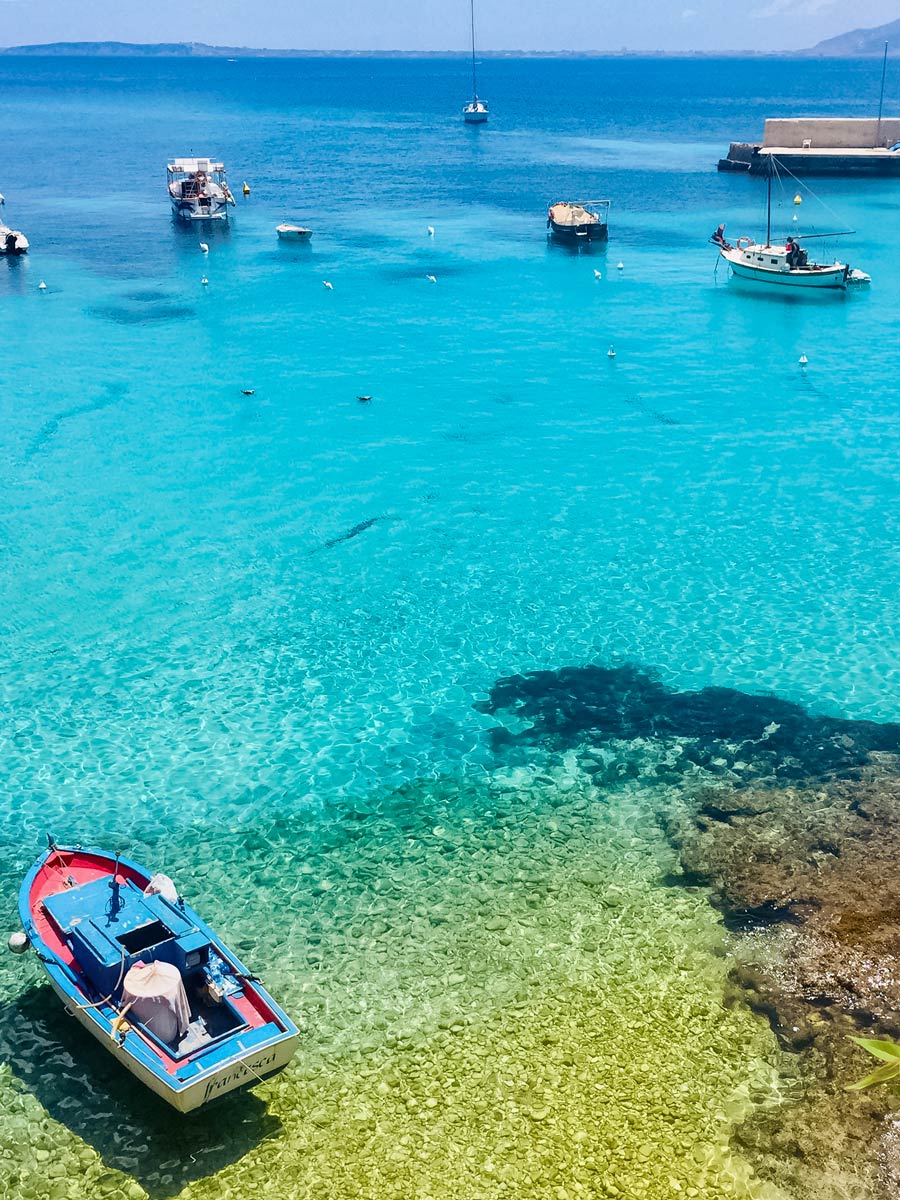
[191,210]
[293,233]
[747,263]
[236,1072]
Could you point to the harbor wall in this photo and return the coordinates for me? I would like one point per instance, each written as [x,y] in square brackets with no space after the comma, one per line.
[833,133]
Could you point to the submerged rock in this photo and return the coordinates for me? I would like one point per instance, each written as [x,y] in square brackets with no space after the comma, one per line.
[810,874]
[723,729]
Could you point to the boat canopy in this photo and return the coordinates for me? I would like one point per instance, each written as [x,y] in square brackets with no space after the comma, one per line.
[190,166]
[577,212]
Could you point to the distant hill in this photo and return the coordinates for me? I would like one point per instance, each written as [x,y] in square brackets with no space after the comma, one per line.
[861,43]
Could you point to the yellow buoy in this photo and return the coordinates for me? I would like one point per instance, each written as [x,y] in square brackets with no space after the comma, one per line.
[798,199]
[246,188]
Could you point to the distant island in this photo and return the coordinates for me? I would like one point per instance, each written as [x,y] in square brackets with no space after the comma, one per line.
[202,50]
[861,43]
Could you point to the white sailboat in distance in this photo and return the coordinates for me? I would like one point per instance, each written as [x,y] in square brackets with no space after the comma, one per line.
[476,111]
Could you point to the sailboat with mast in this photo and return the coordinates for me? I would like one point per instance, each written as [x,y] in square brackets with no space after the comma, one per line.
[787,263]
[476,111]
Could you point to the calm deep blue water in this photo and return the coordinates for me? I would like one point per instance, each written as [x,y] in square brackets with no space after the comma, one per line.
[190,645]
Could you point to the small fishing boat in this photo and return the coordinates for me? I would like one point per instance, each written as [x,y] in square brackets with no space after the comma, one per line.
[476,111]
[198,189]
[579,220]
[12,241]
[140,970]
[293,233]
[788,263]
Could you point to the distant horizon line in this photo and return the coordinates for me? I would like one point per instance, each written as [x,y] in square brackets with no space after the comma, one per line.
[114,49]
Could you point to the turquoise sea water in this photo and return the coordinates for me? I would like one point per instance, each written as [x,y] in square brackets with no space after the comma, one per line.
[200,664]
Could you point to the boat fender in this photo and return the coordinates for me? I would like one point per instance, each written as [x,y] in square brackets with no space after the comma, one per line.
[17,942]
[743,242]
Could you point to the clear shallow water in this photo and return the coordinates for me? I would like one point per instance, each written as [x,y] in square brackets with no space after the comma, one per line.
[192,657]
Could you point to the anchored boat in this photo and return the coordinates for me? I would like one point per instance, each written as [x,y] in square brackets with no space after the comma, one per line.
[140,970]
[198,189]
[12,241]
[579,220]
[293,233]
[786,264]
[476,111]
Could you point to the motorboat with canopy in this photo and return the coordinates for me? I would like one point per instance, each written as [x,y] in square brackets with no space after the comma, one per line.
[787,262]
[152,982]
[198,189]
[579,220]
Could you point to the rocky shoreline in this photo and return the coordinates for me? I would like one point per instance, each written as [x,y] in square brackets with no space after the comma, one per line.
[793,822]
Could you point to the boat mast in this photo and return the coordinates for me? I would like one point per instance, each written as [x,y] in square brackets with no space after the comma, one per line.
[769,203]
[474,87]
[881,97]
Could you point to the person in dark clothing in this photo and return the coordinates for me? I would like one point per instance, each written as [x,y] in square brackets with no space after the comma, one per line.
[719,237]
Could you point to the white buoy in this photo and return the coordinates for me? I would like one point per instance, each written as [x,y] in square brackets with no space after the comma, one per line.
[431,231]
[611,352]
[431,278]
[42,287]
[204,247]
[330,286]
[803,360]
[597,274]
[17,942]
[205,281]
[795,216]
[620,266]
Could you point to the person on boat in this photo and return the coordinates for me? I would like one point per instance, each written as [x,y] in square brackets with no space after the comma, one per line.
[796,257]
[719,237]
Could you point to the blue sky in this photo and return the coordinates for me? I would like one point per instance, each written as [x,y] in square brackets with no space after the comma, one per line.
[443,24]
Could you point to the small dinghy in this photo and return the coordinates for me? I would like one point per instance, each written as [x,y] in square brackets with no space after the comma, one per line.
[293,233]
[579,220]
[12,241]
[149,979]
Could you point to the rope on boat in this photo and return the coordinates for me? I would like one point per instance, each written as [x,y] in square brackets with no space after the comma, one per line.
[106,999]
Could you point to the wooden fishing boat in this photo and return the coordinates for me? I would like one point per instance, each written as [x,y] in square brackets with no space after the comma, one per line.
[579,220]
[140,970]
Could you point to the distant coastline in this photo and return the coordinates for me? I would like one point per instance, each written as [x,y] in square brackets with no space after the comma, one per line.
[202,50]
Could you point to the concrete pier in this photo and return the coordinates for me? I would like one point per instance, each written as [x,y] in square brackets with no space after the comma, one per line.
[821,146]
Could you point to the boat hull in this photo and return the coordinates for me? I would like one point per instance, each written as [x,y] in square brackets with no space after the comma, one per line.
[594,231]
[815,279]
[476,118]
[292,233]
[192,210]
[243,1072]
[259,1038]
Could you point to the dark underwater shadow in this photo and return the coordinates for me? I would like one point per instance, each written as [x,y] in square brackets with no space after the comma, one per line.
[775,737]
[83,1088]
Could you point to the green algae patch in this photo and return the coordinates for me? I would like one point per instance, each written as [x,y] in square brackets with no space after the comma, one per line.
[497,997]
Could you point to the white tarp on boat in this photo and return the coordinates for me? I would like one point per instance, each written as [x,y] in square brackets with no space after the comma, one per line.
[571,214]
[158,1000]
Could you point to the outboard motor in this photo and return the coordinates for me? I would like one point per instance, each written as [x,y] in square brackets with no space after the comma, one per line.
[11,239]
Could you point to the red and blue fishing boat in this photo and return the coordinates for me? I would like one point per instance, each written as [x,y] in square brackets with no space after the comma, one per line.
[139,969]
